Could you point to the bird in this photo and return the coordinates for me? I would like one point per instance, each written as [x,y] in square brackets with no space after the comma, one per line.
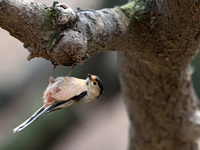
[63,92]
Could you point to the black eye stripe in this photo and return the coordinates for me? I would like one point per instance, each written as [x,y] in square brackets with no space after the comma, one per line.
[100,83]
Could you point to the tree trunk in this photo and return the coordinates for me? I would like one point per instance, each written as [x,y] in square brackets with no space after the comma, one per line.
[156,82]
[157,40]
[161,104]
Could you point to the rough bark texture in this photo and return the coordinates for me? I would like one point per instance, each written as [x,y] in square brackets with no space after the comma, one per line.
[159,121]
[159,38]
[163,108]
[47,33]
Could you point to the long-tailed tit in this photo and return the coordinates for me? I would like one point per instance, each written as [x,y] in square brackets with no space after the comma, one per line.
[63,92]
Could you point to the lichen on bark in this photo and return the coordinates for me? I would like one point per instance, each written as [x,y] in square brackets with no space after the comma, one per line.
[50,13]
[134,9]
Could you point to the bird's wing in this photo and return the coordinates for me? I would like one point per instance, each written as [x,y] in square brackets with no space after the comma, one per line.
[66,103]
[30,120]
[50,108]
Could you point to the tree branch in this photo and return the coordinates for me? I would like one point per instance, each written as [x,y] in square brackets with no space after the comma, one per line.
[59,34]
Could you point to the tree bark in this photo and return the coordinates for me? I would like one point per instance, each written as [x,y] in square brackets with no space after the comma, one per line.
[49,32]
[162,105]
[157,40]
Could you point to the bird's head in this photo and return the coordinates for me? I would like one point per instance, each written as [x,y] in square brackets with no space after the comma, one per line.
[95,85]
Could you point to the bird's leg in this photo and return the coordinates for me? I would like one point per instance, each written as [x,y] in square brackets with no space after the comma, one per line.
[54,67]
[51,79]
[73,66]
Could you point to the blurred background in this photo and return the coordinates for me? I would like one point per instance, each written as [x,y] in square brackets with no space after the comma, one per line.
[100,125]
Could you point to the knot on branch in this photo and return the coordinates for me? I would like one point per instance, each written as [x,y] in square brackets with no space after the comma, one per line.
[60,15]
[65,14]
[70,49]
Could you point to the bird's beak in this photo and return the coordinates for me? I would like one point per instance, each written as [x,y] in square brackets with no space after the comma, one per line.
[89,76]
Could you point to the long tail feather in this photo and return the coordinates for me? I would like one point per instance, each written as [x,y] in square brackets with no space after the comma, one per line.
[30,120]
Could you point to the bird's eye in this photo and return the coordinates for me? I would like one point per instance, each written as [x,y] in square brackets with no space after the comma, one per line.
[94,83]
